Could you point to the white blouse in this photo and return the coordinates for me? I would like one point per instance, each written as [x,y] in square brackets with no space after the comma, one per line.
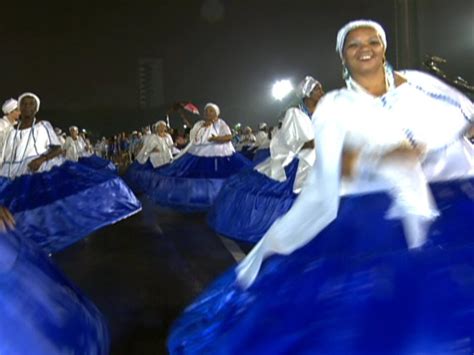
[75,149]
[200,144]
[423,110]
[24,145]
[156,149]
[295,131]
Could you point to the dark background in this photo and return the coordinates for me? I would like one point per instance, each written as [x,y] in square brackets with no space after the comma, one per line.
[82,57]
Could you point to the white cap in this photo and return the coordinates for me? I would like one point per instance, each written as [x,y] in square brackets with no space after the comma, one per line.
[30,94]
[9,106]
[214,106]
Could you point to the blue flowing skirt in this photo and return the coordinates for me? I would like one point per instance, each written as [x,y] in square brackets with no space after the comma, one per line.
[97,163]
[191,183]
[41,312]
[353,289]
[261,155]
[250,202]
[61,206]
[140,176]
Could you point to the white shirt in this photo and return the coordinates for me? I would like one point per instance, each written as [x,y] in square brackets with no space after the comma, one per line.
[434,113]
[295,131]
[74,148]
[24,145]
[261,140]
[200,144]
[5,128]
[157,149]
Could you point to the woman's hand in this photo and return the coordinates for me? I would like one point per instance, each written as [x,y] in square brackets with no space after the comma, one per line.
[6,219]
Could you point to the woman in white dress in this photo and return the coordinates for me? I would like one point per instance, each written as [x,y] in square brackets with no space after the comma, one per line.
[268,191]
[345,281]
[193,180]
[49,196]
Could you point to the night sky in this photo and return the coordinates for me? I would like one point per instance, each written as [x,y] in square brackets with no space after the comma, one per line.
[81,57]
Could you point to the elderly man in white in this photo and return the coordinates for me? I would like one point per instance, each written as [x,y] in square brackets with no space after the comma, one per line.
[74,147]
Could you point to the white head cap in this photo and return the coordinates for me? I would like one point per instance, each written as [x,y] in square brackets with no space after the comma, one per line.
[73,128]
[9,106]
[306,86]
[214,106]
[342,34]
[262,125]
[30,94]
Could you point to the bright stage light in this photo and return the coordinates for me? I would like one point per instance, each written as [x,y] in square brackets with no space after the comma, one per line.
[281,88]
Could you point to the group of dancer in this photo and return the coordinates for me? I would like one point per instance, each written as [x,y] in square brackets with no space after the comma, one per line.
[367,257]
[360,208]
[53,194]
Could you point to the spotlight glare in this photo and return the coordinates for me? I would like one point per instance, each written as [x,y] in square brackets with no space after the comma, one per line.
[281,88]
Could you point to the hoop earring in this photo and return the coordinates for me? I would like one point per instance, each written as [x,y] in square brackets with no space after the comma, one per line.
[345,72]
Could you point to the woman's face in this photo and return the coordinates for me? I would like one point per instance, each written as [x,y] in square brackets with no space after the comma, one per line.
[363,51]
[317,93]
[161,128]
[210,113]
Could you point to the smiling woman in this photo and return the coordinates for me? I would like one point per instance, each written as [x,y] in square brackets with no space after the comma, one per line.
[369,257]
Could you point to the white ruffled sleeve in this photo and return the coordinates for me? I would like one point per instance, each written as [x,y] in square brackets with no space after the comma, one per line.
[317,205]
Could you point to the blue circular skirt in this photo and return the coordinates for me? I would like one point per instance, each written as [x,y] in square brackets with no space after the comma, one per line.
[191,183]
[97,163]
[140,176]
[249,203]
[40,311]
[354,289]
[261,155]
[61,206]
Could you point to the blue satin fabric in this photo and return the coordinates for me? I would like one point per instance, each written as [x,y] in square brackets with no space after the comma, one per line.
[261,155]
[354,289]
[41,312]
[250,202]
[190,183]
[139,176]
[67,203]
[97,163]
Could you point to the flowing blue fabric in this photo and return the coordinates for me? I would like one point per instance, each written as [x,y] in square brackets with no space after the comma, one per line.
[61,206]
[97,163]
[41,312]
[249,203]
[191,183]
[354,289]
[261,155]
[139,176]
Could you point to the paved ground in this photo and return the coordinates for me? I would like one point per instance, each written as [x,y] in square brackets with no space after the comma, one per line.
[143,271]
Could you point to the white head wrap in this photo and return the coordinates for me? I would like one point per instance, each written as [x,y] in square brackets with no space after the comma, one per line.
[214,106]
[342,34]
[73,128]
[262,125]
[30,94]
[155,126]
[306,86]
[9,106]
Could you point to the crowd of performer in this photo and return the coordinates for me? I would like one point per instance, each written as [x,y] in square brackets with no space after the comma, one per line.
[277,187]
